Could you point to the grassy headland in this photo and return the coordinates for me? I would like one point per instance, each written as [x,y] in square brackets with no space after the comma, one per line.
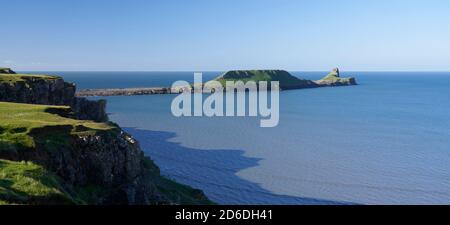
[285,79]
[20,122]
[12,78]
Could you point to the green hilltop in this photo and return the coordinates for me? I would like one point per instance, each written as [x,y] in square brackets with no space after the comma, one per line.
[287,81]
[334,79]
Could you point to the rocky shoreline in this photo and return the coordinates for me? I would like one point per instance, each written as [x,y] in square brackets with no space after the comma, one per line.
[124,91]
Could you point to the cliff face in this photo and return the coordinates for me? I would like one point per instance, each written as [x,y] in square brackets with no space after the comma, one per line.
[334,79]
[47,90]
[105,168]
[88,162]
[6,70]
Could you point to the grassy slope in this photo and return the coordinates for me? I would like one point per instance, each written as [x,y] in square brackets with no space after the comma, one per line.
[21,127]
[20,120]
[28,183]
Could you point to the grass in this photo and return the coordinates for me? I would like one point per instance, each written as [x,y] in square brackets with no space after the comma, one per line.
[286,80]
[334,77]
[28,183]
[25,125]
[259,75]
[13,78]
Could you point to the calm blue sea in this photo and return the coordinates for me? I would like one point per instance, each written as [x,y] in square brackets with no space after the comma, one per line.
[386,141]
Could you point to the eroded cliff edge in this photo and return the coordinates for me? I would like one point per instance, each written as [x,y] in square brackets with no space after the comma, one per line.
[58,149]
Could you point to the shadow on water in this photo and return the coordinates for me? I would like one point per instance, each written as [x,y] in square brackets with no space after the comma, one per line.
[213,171]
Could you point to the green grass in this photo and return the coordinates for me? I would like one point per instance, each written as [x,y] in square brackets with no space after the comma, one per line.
[286,80]
[28,183]
[258,75]
[24,126]
[334,77]
[13,78]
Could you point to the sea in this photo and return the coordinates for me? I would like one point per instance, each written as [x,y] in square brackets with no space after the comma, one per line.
[384,141]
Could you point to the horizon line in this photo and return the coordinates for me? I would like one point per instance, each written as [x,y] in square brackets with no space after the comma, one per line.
[208,71]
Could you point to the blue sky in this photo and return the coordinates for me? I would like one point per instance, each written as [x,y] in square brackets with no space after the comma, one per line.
[217,35]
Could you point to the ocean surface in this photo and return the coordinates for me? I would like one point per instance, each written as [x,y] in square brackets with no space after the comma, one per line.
[385,141]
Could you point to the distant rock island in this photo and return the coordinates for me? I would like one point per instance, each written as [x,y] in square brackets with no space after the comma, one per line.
[334,79]
[287,82]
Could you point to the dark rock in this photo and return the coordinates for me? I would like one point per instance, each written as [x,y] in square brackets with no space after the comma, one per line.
[7,71]
[35,90]
[334,79]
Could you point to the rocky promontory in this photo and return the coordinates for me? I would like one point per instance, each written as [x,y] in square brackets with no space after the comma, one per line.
[48,90]
[6,70]
[49,154]
[285,79]
[334,79]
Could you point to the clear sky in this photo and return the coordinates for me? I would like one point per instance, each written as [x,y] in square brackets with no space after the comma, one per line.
[217,35]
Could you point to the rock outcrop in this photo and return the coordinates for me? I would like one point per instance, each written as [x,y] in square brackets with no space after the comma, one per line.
[285,79]
[334,79]
[95,163]
[49,90]
[6,70]
[105,168]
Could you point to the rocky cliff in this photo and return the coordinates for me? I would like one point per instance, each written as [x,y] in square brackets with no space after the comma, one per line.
[74,161]
[334,79]
[6,70]
[287,81]
[48,90]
